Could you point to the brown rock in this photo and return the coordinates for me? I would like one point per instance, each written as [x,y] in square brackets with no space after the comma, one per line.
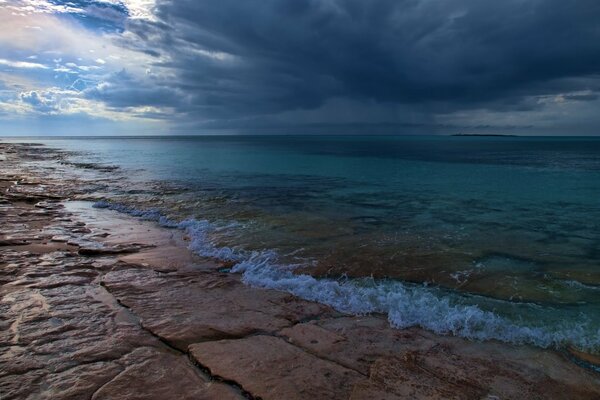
[164,376]
[76,383]
[411,378]
[13,242]
[417,364]
[204,306]
[270,368]
[62,336]
[112,250]
[356,342]
[60,239]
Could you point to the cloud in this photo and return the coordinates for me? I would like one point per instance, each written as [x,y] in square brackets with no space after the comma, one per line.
[32,98]
[581,96]
[351,65]
[279,56]
[21,64]
[69,59]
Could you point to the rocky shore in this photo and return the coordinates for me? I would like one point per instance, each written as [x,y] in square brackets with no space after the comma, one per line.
[100,305]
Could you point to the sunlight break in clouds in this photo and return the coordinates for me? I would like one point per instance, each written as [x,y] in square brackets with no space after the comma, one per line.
[51,66]
[344,66]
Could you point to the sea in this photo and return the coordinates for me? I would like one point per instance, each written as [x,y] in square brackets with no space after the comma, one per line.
[487,238]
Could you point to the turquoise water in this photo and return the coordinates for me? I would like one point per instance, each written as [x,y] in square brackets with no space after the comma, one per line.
[484,237]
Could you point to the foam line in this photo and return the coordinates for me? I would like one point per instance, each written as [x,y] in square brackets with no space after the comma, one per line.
[404,304]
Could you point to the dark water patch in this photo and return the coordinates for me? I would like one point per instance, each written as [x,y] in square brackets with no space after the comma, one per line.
[506,263]
[94,166]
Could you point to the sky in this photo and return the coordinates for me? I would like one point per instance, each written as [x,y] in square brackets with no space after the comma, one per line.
[131,67]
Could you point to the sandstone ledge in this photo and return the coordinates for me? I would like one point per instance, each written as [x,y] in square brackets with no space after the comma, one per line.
[146,319]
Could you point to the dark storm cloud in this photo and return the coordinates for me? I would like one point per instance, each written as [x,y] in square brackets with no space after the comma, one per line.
[122,90]
[249,57]
[582,97]
[316,65]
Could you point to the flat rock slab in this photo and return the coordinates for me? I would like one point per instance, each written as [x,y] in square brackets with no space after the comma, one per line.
[444,373]
[64,337]
[190,308]
[270,368]
[118,249]
[356,342]
[164,376]
[414,364]
[61,337]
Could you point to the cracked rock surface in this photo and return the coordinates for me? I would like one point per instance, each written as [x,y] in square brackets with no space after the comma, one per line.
[100,305]
[271,368]
[205,305]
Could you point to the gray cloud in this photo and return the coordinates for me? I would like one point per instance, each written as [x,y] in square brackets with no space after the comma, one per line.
[582,97]
[238,59]
[121,90]
[393,65]
[40,102]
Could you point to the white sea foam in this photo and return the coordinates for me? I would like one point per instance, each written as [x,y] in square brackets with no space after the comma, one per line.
[149,215]
[409,305]
[579,285]
[404,304]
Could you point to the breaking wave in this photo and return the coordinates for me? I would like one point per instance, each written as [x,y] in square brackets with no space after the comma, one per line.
[405,304]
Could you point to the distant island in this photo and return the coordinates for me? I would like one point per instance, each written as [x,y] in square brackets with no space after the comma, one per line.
[481,134]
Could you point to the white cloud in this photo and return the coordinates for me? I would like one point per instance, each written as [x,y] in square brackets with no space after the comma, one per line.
[55,101]
[78,57]
[65,40]
[140,9]
[64,70]
[26,7]
[22,64]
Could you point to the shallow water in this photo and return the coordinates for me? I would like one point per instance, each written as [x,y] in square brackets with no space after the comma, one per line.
[484,237]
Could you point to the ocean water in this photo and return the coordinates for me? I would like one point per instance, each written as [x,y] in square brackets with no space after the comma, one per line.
[481,237]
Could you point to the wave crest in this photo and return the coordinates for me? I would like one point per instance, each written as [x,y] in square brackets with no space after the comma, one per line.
[405,304]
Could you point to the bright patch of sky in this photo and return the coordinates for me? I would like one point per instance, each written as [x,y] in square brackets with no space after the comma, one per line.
[53,60]
[318,66]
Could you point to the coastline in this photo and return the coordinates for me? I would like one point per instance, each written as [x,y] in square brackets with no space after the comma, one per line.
[98,304]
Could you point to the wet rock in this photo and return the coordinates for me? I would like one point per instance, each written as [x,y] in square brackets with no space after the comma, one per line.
[101,235]
[63,336]
[163,376]
[417,364]
[356,342]
[270,368]
[112,250]
[13,242]
[411,378]
[79,382]
[51,337]
[442,373]
[60,239]
[81,230]
[205,306]
[49,205]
